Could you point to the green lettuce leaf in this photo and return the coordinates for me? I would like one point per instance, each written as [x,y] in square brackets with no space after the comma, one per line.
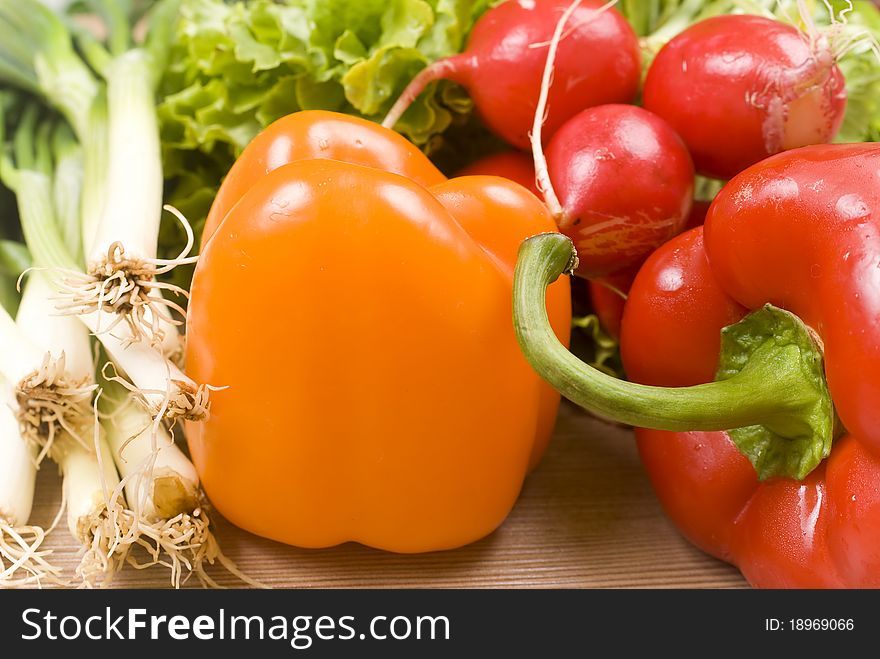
[593,345]
[236,67]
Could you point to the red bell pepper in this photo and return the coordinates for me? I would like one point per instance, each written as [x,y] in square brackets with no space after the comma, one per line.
[748,471]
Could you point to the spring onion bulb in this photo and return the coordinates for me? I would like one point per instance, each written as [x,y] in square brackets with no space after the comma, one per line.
[96,513]
[92,239]
[114,119]
[22,562]
[166,392]
[19,354]
[162,487]
[54,401]
[47,357]
[97,516]
[121,262]
[45,397]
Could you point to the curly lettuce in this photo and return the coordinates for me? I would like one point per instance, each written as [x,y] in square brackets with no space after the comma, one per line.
[236,67]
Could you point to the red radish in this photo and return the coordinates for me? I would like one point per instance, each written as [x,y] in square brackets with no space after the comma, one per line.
[739,88]
[625,185]
[609,293]
[599,62]
[625,179]
[513,165]
[608,296]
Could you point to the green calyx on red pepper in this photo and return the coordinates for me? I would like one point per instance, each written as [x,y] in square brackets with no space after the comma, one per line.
[800,231]
[770,389]
[775,342]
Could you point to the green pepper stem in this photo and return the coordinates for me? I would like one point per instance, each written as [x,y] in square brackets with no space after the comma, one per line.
[772,389]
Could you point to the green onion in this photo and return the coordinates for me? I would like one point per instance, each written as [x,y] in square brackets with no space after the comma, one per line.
[22,562]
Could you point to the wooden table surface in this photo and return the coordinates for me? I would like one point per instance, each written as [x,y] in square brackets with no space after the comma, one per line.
[587,518]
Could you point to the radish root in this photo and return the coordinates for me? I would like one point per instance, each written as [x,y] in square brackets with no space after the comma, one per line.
[542,174]
[614,289]
[845,38]
[442,69]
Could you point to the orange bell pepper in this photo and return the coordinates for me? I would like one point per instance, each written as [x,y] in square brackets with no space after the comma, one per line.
[359,311]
